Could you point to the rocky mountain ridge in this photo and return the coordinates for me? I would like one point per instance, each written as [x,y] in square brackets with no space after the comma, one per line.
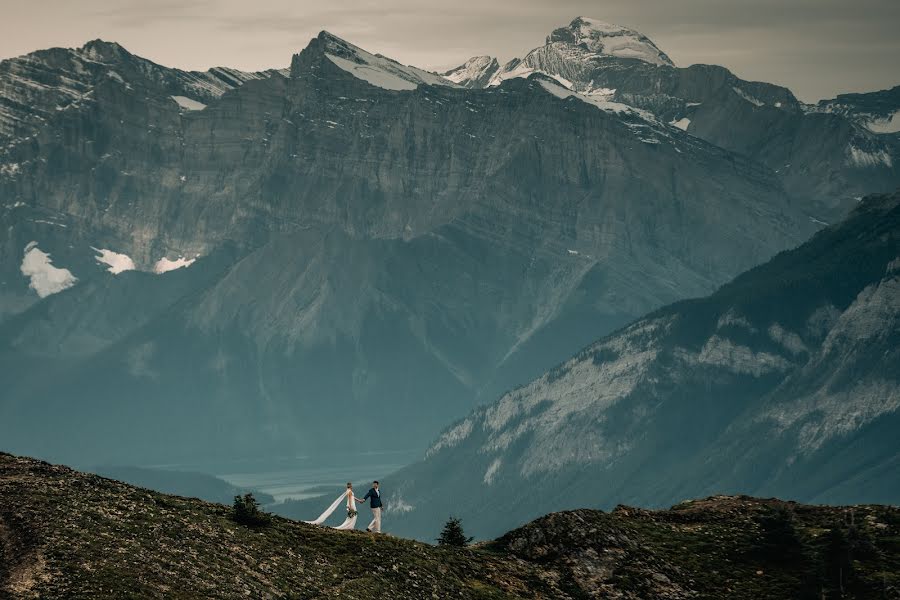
[876,111]
[59,79]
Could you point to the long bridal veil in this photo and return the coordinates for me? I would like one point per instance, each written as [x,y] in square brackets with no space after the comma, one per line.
[349,522]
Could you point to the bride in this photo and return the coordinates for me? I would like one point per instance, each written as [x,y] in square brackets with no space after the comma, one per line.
[350,521]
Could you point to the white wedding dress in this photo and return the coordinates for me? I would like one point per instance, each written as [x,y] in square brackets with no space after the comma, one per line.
[350,521]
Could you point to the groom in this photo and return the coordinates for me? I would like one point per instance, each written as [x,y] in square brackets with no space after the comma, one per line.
[374,497]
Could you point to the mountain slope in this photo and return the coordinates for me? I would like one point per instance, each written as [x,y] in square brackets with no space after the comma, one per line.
[66,534]
[785,381]
[877,111]
[364,251]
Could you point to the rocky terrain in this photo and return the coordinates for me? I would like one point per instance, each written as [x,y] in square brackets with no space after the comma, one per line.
[348,241]
[876,111]
[65,534]
[785,382]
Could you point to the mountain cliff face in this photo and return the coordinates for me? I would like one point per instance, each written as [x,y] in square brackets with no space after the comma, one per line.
[87,100]
[348,241]
[66,534]
[877,111]
[38,85]
[824,155]
[785,381]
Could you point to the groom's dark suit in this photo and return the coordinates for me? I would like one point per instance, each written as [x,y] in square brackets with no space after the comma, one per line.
[374,498]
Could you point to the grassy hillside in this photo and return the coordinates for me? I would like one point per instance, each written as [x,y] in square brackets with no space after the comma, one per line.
[69,534]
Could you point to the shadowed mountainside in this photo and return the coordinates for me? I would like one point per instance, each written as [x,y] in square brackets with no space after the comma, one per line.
[784,382]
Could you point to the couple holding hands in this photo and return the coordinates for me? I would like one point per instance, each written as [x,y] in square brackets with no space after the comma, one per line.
[374,498]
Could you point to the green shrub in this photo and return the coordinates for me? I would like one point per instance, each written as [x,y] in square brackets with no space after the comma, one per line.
[246,511]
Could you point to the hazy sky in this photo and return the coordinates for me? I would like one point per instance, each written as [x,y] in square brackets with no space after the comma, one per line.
[817,48]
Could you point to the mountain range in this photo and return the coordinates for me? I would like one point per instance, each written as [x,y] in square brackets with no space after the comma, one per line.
[223,264]
[827,154]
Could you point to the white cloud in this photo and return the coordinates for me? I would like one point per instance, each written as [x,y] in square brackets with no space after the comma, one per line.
[117,262]
[45,278]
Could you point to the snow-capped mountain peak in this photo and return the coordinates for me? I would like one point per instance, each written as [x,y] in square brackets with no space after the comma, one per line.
[103,51]
[376,69]
[474,73]
[609,39]
[575,52]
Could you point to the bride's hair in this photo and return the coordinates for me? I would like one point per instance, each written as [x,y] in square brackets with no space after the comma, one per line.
[349,485]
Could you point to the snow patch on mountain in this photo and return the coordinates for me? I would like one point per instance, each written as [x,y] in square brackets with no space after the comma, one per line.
[600,92]
[373,74]
[560,91]
[520,70]
[748,97]
[45,279]
[888,124]
[188,103]
[48,222]
[164,265]
[117,262]
[681,123]
[375,69]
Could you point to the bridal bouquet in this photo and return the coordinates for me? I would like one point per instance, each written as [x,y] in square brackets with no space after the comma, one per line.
[351,513]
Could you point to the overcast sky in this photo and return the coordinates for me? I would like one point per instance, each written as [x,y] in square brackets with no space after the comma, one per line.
[818,48]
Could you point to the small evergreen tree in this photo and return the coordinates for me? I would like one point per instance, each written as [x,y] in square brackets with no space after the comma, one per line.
[246,511]
[453,534]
